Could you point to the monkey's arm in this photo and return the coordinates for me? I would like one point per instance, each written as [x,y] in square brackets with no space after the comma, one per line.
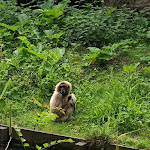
[56,104]
[68,109]
[71,101]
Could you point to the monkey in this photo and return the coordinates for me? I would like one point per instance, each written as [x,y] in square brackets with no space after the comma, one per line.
[68,109]
[62,102]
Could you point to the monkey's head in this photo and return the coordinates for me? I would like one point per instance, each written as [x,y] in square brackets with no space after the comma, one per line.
[63,87]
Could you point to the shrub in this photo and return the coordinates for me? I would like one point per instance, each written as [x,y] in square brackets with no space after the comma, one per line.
[103,25]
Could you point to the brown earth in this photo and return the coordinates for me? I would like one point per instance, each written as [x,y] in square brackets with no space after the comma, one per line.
[139,4]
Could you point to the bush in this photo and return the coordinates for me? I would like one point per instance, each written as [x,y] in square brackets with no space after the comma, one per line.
[101,26]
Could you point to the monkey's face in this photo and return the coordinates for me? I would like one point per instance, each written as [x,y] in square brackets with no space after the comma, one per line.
[63,89]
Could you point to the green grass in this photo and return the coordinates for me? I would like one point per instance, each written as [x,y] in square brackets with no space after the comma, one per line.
[110,102]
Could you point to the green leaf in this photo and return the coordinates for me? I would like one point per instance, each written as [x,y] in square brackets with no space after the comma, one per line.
[26,144]
[110,11]
[104,55]
[3,106]
[13,28]
[135,65]
[44,113]
[55,12]
[130,68]
[33,100]
[69,140]
[148,34]
[25,41]
[97,53]
[57,36]
[23,18]
[42,56]
[60,141]
[4,52]
[22,139]
[47,5]
[31,48]
[49,33]
[36,117]
[91,56]
[38,147]
[19,133]
[53,142]
[56,54]
[147,68]
[47,119]
[45,145]
[94,49]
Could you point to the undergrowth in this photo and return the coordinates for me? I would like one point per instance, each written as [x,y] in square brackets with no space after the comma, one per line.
[103,52]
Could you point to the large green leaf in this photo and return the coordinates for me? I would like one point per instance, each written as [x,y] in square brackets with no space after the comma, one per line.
[94,49]
[13,28]
[30,48]
[23,18]
[97,53]
[56,54]
[130,68]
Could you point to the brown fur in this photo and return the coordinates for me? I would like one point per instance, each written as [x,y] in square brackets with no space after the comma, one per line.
[61,105]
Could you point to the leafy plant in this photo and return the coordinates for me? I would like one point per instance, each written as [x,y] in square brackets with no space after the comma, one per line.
[47,145]
[96,27]
[23,140]
[130,68]
[109,52]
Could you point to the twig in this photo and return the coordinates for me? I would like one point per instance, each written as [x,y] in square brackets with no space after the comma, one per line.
[10,127]
[8,143]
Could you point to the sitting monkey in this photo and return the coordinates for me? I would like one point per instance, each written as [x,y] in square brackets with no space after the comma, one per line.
[62,102]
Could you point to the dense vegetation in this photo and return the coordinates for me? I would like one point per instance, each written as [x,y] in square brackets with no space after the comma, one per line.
[103,52]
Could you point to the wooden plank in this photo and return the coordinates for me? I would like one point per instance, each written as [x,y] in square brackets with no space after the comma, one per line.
[38,137]
[113,147]
[4,136]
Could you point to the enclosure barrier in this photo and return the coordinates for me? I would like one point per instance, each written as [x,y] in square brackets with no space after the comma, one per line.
[37,137]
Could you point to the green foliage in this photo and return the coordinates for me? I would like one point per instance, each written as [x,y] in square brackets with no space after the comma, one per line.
[23,141]
[9,16]
[109,52]
[117,103]
[30,49]
[35,54]
[130,68]
[38,147]
[97,53]
[43,117]
[97,27]
[7,84]
[47,145]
